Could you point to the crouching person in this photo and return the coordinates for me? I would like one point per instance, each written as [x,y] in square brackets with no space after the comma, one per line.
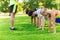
[51,19]
[40,18]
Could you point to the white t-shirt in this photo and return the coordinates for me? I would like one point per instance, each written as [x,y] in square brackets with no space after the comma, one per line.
[39,13]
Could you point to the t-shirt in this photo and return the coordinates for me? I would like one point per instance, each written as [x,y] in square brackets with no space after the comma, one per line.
[39,13]
[13,2]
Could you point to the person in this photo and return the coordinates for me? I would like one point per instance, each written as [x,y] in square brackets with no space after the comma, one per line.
[33,18]
[37,17]
[13,10]
[40,18]
[51,19]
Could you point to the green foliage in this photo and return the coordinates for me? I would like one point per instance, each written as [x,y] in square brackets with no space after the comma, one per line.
[4,5]
[47,3]
[20,7]
[31,4]
[50,4]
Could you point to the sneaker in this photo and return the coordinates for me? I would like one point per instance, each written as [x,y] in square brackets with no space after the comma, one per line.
[12,28]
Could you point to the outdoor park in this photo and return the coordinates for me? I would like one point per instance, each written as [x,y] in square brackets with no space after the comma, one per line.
[24,29]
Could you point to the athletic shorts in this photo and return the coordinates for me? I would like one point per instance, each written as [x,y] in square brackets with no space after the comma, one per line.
[11,9]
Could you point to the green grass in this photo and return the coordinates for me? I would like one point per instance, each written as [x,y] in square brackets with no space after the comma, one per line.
[25,30]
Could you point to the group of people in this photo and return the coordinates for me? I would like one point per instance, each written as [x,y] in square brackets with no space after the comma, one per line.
[37,15]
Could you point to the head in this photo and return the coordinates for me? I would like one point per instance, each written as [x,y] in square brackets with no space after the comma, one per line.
[31,12]
[41,6]
[45,12]
[42,9]
[28,12]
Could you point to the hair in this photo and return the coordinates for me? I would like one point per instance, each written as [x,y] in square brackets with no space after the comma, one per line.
[30,12]
[27,11]
[42,7]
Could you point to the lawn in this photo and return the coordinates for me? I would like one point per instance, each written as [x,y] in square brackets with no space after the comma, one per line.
[25,30]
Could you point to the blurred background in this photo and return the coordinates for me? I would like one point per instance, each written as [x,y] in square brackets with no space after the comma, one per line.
[25,30]
[24,4]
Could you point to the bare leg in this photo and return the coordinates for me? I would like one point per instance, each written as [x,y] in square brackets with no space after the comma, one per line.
[38,22]
[49,24]
[31,20]
[14,15]
[35,20]
[12,21]
[53,23]
[42,23]
[54,27]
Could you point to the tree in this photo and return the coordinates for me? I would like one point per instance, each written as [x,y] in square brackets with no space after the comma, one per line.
[34,3]
[4,5]
[31,4]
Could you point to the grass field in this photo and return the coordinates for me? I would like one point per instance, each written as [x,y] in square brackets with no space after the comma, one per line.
[25,30]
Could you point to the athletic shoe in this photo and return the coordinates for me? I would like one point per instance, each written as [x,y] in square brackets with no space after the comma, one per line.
[12,28]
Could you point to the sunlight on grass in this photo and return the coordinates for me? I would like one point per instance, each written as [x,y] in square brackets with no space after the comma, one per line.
[25,30]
